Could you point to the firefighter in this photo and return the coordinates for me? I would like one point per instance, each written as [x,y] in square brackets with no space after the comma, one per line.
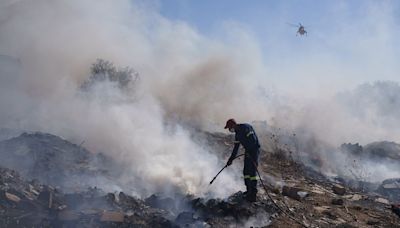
[245,135]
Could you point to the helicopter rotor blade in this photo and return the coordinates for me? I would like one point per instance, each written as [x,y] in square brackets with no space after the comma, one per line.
[293,25]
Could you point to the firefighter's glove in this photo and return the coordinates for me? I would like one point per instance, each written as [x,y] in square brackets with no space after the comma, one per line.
[229,162]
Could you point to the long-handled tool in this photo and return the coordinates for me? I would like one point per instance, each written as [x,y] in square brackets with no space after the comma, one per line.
[218,174]
[223,169]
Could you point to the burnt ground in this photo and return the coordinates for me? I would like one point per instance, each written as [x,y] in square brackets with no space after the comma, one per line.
[315,200]
[328,203]
[303,196]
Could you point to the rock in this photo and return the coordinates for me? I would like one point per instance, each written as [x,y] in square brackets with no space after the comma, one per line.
[382,200]
[68,215]
[396,209]
[303,194]
[52,160]
[338,189]
[275,189]
[90,211]
[46,197]
[29,195]
[316,191]
[355,197]
[356,207]
[330,215]
[361,186]
[111,198]
[160,222]
[321,209]
[71,200]
[337,201]
[122,197]
[12,197]
[373,222]
[165,203]
[33,190]
[293,192]
[345,225]
[111,216]
[61,207]
[339,221]
[185,218]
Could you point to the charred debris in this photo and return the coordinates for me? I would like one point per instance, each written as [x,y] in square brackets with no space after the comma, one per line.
[38,171]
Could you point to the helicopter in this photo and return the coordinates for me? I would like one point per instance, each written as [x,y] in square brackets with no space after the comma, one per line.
[301,31]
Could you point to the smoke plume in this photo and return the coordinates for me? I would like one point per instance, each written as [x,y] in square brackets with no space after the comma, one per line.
[186,79]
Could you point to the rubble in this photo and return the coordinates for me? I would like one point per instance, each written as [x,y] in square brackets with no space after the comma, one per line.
[111,216]
[68,215]
[234,210]
[395,209]
[373,222]
[391,189]
[48,207]
[307,196]
[185,218]
[338,189]
[337,201]
[12,197]
[54,161]
[165,203]
[323,207]
[294,193]
[382,200]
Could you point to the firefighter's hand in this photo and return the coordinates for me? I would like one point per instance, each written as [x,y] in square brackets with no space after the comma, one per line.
[229,162]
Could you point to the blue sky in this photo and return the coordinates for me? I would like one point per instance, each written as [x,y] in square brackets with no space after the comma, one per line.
[348,42]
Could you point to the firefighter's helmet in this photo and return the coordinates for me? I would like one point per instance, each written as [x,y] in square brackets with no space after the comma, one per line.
[231,123]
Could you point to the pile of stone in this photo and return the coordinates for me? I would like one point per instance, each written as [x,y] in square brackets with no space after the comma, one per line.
[55,161]
[30,204]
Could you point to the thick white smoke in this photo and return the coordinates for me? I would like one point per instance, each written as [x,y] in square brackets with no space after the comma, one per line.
[185,79]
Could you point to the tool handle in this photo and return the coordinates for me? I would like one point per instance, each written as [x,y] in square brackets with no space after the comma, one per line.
[218,174]
[224,168]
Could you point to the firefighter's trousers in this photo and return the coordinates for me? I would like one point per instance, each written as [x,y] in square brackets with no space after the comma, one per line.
[249,171]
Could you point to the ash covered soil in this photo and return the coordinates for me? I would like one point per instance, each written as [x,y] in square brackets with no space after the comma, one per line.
[41,186]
